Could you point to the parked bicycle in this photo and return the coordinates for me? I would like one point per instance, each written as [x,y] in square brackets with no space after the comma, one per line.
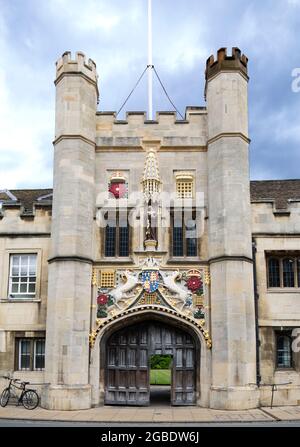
[28,398]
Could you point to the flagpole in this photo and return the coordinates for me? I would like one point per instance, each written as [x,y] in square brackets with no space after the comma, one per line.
[150,73]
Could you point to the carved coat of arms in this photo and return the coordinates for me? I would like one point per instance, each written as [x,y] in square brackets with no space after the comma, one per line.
[150,280]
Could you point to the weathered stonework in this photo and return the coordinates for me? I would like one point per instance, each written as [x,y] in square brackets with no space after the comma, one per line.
[83,296]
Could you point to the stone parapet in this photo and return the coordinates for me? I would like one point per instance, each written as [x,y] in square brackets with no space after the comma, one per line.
[66,65]
[237,61]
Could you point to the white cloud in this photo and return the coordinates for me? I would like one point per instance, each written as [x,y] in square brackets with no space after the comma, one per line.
[88,15]
[21,144]
[23,127]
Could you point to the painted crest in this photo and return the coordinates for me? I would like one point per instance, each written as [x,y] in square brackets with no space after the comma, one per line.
[150,280]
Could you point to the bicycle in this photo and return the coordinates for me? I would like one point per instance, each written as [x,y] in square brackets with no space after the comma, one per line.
[28,397]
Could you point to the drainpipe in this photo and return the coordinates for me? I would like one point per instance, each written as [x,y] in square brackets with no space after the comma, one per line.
[256,298]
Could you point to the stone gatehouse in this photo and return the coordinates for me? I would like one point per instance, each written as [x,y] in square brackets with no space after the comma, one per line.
[152,241]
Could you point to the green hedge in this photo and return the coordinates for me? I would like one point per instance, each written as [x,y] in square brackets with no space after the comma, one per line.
[159,361]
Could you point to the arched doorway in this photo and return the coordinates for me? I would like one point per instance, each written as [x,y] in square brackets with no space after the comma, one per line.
[127,363]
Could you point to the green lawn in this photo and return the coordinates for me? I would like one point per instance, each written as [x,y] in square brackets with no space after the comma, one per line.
[160,377]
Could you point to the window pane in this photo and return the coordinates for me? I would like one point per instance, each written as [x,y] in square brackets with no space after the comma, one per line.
[191,247]
[274,275]
[191,240]
[25,346]
[32,259]
[24,270]
[15,260]
[123,241]
[31,288]
[32,270]
[110,241]
[177,241]
[40,354]
[288,272]
[15,270]
[32,265]
[14,288]
[24,260]
[23,288]
[284,358]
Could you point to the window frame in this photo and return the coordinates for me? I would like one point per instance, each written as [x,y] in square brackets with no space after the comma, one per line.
[32,353]
[22,295]
[184,238]
[288,334]
[117,236]
[281,258]
[4,290]
[41,355]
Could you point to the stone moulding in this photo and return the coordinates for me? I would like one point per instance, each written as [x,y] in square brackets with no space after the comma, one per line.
[198,324]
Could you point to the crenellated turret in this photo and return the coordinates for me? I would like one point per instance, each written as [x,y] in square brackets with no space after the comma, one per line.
[77,95]
[68,316]
[230,250]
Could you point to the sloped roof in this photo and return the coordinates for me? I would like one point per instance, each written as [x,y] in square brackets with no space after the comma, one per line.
[278,190]
[25,196]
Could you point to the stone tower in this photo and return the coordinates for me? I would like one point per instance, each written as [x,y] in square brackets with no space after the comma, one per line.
[232,300]
[70,265]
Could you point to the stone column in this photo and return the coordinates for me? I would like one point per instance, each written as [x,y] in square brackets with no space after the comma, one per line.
[232,294]
[70,265]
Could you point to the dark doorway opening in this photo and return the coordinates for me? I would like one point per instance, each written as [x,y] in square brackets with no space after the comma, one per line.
[160,379]
[127,365]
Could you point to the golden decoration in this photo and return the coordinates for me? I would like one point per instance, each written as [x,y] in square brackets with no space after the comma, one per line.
[198,300]
[207,277]
[149,298]
[104,322]
[107,279]
[193,272]
[94,277]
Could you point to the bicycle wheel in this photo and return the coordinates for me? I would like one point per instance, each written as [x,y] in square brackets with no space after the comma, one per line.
[30,400]
[4,398]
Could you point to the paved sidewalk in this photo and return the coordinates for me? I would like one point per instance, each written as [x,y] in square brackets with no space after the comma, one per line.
[153,414]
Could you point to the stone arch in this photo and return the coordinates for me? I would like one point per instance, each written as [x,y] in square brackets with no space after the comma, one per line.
[147,313]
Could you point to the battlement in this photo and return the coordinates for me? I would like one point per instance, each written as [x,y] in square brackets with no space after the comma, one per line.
[192,113]
[224,62]
[190,131]
[66,65]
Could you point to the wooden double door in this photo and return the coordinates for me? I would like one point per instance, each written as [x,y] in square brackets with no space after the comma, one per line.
[127,371]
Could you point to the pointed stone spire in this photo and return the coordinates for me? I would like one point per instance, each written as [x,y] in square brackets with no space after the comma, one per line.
[151,178]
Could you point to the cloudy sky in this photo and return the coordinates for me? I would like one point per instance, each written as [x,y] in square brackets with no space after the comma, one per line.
[34,33]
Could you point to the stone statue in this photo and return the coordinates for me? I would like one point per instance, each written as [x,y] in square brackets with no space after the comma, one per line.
[131,281]
[170,284]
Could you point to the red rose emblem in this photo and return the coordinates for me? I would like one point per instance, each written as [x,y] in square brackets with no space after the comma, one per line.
[194,283]
[102,299]
[118,190]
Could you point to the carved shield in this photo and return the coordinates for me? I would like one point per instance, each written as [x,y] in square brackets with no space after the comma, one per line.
[150,280]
